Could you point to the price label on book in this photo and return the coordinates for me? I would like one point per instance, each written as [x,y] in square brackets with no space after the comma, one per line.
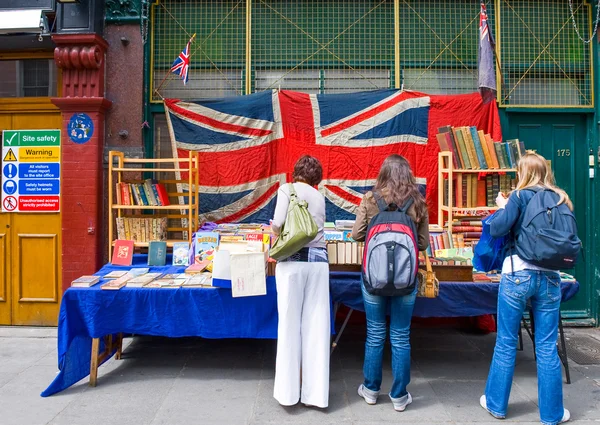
[31,170]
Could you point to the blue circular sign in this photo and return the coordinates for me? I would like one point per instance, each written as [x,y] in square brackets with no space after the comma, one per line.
[10,187]
[10,171]
[80,128]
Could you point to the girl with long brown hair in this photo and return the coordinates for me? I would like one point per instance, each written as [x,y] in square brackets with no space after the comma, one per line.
[396,185]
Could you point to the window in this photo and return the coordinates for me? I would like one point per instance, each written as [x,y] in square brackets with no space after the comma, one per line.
[28,78]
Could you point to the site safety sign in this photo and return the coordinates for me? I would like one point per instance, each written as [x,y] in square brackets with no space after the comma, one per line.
[31,171]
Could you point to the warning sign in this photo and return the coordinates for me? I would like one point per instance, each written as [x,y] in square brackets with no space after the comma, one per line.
[9,203]
[39,154]
[30,171]
[10,156]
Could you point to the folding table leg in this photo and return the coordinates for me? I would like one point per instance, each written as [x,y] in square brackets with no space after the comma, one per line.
[339,335]
[562,349]
[119,346]
[94,362]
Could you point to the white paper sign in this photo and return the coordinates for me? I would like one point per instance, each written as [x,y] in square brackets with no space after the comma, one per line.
[248,274]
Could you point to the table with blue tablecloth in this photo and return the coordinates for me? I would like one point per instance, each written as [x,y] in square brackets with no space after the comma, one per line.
[91,319]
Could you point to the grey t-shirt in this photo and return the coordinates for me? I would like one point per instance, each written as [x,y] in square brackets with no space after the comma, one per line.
[316,207]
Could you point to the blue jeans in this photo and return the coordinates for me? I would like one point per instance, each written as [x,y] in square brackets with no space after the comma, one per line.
[401,309]
[543,291]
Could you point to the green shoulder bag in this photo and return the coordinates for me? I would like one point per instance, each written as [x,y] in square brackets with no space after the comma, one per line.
[298,229]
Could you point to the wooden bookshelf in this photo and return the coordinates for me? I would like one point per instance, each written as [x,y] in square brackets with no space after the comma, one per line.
[446,171]
[187,212]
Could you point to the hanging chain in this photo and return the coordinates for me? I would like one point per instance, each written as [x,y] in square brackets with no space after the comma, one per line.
[575,24]
[144,20]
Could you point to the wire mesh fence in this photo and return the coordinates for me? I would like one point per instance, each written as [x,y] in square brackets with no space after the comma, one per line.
[336,46]
[543,62]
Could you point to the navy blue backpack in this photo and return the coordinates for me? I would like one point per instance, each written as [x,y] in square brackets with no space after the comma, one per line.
[548,236]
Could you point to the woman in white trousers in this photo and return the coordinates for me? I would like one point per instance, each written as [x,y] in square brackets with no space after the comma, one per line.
[302,364]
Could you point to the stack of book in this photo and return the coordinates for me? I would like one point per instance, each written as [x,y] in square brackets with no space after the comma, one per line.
[348,252]
[467,230]
[472,149]
[451,257]
[142,229]
[473,190]
[149,194]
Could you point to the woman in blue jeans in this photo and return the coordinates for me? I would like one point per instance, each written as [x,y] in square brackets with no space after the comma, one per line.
[396,184]
[522,282]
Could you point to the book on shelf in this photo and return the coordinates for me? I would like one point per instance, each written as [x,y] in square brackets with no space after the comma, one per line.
[462,148]
[142,229]
[85,281]
[470,147]
[157,253]
[474,149]
[447,133]
[145,194]
[474,137]
[122,253]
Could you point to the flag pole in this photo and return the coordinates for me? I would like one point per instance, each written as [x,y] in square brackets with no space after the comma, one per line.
[169,71]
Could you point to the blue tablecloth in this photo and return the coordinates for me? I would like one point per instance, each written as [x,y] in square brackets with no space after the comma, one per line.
[456,299]
[87,313]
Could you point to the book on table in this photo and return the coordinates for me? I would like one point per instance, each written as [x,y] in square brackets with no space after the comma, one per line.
[181,254]
[85,281]
[157,253]
[123,253]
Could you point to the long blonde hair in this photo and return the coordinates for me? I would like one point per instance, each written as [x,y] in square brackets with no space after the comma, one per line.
[534,171]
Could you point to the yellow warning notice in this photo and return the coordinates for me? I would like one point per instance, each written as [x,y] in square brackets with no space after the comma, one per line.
[10,156]
[39,154]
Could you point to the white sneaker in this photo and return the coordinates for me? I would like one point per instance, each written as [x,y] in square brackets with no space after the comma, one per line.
[483,403]
[401,403]
[566,417]
[369,395]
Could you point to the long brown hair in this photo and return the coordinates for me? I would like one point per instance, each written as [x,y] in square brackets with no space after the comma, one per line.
[534,171]
[396,183]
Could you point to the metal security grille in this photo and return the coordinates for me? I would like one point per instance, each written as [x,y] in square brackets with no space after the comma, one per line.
[438,45]
[543,62]
[217,54]
[335,46]
[316,46]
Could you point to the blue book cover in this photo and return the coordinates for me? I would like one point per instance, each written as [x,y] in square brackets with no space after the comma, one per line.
[478,148]
[205,244]
[157,253]
[142,194]
[509,154]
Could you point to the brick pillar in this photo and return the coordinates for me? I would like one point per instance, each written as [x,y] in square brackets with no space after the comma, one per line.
[82,60]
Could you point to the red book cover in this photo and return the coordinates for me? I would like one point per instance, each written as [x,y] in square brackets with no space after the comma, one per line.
[123,253]
[481,194]
[125,199]
[162,194]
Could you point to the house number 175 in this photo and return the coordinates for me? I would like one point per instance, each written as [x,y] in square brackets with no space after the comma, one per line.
[563,152]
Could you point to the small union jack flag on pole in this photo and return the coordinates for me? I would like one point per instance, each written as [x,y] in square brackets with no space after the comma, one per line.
[181,65]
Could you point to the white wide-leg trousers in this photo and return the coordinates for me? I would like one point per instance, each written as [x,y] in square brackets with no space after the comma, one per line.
[304,333]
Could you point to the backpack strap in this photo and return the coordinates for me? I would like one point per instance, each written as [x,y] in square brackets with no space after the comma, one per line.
[381,204]
[406,206]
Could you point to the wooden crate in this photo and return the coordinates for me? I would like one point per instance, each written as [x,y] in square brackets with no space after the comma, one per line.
[453,273]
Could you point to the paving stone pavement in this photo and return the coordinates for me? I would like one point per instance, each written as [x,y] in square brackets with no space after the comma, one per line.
[198,381]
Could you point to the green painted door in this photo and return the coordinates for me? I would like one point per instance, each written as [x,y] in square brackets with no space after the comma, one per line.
[562,139]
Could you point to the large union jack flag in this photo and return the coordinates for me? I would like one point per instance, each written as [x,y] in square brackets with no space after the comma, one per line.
[248,145]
